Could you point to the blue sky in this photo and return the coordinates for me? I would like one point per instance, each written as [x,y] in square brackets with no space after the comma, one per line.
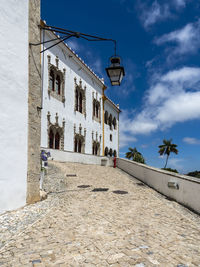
[159,43]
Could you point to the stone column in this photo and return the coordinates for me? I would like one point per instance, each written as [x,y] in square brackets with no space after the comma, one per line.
[34,105]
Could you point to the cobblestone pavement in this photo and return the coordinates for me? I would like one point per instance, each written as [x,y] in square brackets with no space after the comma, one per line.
[85,228]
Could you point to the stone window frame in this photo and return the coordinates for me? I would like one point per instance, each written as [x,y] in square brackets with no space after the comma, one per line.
[96,144]
[56,128]
[96,104]
[80,90]
[80,138]
[61,75]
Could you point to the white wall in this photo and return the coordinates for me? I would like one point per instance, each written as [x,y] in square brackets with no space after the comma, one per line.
[13,102]
[189,188]
[73,69]
[67,156]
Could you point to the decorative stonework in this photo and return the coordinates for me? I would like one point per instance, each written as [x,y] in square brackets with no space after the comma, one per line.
[112,122]
[96,108]
[61,74]
[79,139]
[80,97]
[55,129]
[96,144]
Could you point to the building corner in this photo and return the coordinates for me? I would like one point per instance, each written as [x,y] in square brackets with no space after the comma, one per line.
[34,105]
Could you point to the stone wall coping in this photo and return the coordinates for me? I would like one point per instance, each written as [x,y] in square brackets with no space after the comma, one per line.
[176,175]
[87,154]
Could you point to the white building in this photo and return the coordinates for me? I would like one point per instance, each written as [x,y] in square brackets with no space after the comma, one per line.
[73,109]
[49,100]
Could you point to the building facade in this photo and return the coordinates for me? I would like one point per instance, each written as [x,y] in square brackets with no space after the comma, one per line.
[74,106]
[51,100]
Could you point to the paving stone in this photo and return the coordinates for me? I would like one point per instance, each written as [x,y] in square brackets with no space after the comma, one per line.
[77,227]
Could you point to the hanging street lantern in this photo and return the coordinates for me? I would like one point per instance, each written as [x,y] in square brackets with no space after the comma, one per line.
[115,72]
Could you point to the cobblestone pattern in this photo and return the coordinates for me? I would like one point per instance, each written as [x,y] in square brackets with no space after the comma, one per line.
[13,223]
[55,179]
[87,228]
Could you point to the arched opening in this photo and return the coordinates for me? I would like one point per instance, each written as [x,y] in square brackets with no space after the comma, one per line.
[93,149]
[106,151]
[57,141]
[96,149]
[110,121]
[75,145]
[115,153]
[114,123]
[94,108]
[51,139]
[79,146]
[110,152]
[51,80]
[80,102]
[97,110]
[58,84]
[106,117]
[76,100]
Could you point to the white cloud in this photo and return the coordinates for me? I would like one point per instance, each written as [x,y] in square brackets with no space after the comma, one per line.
[176,163]
[125,136]
[155,13]
[126,139]
[74,45]
[186,40]
[172,98]
[179,3]
[191,140]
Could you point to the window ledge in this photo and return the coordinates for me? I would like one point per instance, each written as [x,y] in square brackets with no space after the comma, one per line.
[55,95]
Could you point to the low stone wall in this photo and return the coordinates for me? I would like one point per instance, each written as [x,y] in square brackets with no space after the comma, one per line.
[67,156]
[181,188]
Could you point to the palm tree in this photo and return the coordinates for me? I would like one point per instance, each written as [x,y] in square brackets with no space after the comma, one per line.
[135,155]
[167,148]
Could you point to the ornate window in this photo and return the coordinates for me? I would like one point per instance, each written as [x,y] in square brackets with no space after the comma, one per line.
[80,102]
[51,81]
[58,84]
[56,81]
[80,99]
[110,137]
[106,117]
[110,121]
[96,114]
[57,140]
[55,133]
[79,140]
[51,138]
[114,123]
[96,148]
[96,144]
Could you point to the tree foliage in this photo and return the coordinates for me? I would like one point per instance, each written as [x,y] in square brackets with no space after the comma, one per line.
[167,148]
[194,174]
[135,155]
[170,170]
